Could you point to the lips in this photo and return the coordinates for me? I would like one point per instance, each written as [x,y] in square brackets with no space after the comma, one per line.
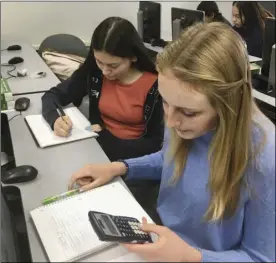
[182,131]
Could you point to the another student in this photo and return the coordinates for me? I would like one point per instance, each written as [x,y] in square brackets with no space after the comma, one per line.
[217,166]
[121,82]
[249,21]
[212,13]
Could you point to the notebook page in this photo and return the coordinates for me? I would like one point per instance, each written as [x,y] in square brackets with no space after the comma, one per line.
[64,227]
[45,135]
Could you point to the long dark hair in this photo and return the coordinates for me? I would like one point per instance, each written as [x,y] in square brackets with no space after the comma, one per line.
[118,37]
[210,8]
[254,14]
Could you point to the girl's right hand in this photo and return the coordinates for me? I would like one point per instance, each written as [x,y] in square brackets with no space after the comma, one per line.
[93,175]
[63,126]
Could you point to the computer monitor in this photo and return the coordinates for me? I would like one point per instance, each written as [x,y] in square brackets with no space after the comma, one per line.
[149,21]
[271,77]
[14,238]
[269,41]
[7,154]
[183,18]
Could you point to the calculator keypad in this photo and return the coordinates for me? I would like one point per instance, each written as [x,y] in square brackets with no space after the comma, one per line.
[129,227]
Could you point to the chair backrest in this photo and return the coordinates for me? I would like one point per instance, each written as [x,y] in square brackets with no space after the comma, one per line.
[84,107]
[64,43]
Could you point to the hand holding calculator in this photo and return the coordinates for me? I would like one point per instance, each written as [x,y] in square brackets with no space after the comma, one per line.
[117,228]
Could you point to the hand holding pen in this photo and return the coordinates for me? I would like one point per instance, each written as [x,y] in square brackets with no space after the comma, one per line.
[63,125]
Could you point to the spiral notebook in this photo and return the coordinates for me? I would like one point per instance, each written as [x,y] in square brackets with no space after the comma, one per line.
[64,227]
[45,135]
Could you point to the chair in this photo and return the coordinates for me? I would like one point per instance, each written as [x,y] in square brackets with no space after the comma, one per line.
[64,43]
[84,107]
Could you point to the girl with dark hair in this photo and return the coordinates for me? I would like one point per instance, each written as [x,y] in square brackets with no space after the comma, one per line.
[125,107]
[212,13]
[121,82]
[249,21]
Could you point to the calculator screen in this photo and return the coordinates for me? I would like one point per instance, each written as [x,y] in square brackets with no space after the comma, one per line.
[107,225]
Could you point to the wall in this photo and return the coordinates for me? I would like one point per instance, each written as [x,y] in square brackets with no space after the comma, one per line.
[34,21]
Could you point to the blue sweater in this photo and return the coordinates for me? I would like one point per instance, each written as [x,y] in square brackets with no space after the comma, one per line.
[248,236]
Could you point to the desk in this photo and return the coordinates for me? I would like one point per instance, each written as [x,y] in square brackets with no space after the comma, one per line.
[160,49]
[263,97]
[33,63]
[55,165]
[258,95]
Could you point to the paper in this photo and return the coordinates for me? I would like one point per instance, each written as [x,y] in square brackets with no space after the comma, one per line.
[254,59]
[45,135]
[64,226]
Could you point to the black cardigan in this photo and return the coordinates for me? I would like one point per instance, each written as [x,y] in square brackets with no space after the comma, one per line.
[253,39]
[77,86]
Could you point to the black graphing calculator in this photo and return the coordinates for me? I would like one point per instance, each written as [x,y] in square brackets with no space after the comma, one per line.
[117,228]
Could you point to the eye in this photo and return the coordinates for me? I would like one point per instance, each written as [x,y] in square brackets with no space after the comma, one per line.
[115,66]
[188,114]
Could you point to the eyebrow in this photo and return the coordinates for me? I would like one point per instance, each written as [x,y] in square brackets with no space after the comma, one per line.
[110,64]
[184,108]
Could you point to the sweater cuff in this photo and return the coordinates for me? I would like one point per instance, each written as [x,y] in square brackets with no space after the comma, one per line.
[148,167]
[51,118]
[208,256]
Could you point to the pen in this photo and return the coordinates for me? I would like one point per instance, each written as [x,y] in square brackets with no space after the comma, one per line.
[55,198]
[61,112]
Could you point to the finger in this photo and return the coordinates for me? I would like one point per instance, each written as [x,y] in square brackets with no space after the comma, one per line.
[68,121]
[92,185]
[61,132]
[65,126]
[144,220]
[73,179]
[71,184]
[84,181]
[141,248]
[96,128]
[159,230]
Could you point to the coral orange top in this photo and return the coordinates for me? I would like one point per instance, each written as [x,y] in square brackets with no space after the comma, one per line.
[122,106]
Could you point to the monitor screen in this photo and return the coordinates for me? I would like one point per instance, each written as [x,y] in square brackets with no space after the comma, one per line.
[14,238]
[187,17]
[151,20]
[7,154]
[269,41]
[8,251]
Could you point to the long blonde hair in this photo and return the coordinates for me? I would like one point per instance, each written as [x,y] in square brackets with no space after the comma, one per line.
[213,59]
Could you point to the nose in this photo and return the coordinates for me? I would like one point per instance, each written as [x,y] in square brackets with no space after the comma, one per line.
[173,120]
[106,71]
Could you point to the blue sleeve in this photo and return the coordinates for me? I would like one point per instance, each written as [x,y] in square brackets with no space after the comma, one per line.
[148,167]
[258,242]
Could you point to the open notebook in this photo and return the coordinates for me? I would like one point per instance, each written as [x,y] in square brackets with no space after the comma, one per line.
[45,135]
[64,227]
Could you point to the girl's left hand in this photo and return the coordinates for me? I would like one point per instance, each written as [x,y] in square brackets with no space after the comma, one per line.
[168,248]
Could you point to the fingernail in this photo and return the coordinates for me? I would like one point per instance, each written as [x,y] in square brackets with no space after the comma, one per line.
[140,226]
[81,190]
